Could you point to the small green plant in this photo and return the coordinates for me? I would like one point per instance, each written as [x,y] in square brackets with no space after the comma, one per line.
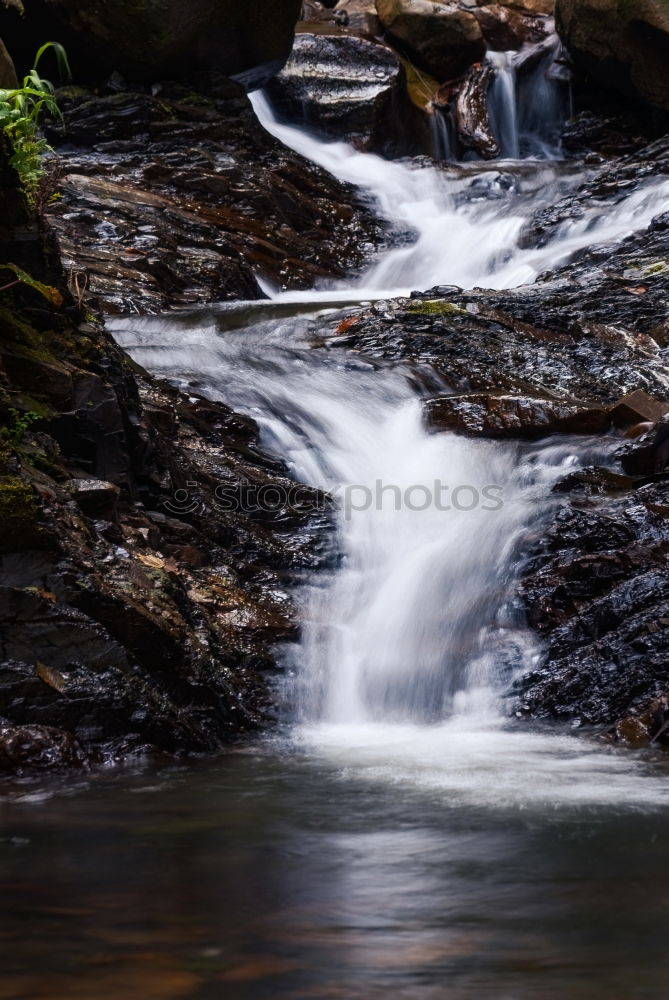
[20,113]
[19,423]
[21,277]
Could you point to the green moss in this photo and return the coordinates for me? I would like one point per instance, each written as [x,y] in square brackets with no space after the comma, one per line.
[654,268]
[435,307]
[18,507]
[48,346]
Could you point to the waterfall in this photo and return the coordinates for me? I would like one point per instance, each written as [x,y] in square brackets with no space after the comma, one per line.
[411,638]
[527,105]
[467,221]
[415,622]
[443,141]
[502,104]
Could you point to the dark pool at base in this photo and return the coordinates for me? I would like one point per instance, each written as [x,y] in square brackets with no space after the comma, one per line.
[269,875]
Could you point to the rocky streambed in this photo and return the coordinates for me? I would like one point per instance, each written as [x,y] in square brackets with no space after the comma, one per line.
[139,614]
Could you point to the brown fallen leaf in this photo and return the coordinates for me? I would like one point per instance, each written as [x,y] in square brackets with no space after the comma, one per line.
[154,562]
[347,323]
[52,678]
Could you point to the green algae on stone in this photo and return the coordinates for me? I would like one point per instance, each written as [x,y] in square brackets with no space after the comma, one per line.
[18,508]
[435,307]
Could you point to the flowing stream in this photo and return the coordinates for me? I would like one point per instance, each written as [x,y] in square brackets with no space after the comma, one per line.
[401,835]
[412,641]
[467,222]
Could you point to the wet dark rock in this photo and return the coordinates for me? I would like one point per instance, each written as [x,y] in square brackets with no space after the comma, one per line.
[610,131]
[505,28]
[179,198]
[515,342]
[138,615]
[638,407]
[164,38]
[471,113]
[514,416]
[343,86]
[623,46]
[95,497]
[36,748]
[596,590]
[442,39]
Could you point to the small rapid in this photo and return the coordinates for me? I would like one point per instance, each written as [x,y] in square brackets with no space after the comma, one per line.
[412,639]
[467,221]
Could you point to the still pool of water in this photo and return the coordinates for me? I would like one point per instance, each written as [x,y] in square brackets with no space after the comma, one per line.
[280,871]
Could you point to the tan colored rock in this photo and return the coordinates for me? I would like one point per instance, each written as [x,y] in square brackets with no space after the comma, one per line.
[534,7]
[440,38]
[624,44]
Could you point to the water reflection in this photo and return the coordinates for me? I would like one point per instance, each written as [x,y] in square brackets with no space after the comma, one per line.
[274,875]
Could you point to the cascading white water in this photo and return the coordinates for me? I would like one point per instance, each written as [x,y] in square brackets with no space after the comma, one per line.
[410,641]
[429,530]
[468,223]
[502,103]
[441,133]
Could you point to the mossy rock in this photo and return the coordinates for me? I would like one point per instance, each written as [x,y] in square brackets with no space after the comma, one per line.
[18,513]
[435,307]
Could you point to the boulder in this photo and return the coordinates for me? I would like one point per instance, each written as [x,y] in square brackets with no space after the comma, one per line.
[623,45]
[440,38]
[638,407]
[147,41]
[341,85]
[8,78]
[471,112]
[506,28]
[95,497]
[361,15]
[513,416]
[38,748]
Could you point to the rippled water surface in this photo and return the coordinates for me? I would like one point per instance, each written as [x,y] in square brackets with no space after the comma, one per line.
[278,872]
